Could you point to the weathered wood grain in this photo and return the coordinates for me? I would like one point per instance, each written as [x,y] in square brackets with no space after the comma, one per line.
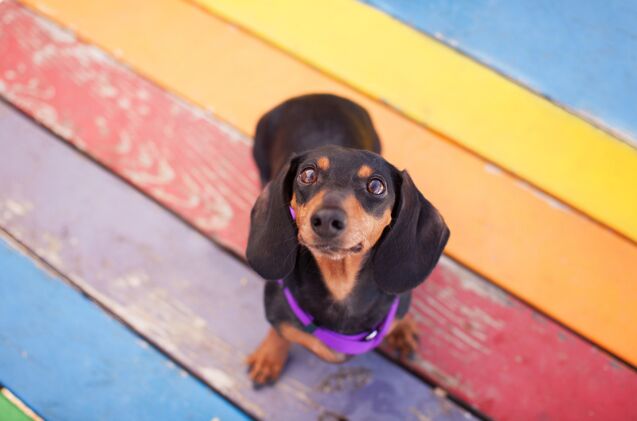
[156,142]
[70,361]
[477,341]
[197,303]
[503,229]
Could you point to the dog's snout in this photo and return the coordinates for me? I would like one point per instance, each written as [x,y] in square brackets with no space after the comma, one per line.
[329,222]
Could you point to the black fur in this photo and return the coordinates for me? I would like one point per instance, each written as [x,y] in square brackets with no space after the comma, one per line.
[272,243]
[307,122]
[293,135]
[412,245]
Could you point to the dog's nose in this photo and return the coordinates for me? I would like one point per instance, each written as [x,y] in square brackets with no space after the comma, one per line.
[329,222]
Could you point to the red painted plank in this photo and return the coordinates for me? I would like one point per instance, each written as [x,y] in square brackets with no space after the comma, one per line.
[200,168]
[478,342]
[510,361]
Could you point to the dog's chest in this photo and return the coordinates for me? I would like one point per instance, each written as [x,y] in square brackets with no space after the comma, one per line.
[340,276]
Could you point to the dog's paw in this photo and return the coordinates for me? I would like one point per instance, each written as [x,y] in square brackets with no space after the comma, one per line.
[266,363]
[403,339]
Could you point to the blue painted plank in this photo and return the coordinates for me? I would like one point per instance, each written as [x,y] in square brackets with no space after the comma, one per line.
[175,287]
[68,360]
[581,54]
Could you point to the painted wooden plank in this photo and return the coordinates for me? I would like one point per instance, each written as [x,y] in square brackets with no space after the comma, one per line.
[175,287]
[588,48]
[518,130]
[68,360]
[471,330]
[9,411]
[543,254]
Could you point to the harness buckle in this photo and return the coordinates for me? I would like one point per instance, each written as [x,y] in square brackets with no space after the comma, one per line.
[371,335]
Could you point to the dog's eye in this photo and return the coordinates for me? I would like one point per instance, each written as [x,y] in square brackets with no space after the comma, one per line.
[308,176]
[376,186]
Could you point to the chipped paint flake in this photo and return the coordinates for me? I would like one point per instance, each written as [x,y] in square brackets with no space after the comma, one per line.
[218,378]
[12,208]
[492,169]
[134,279]
[549,200]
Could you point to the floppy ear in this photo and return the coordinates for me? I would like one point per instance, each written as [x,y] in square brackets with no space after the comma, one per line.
[411,246]
[272,243]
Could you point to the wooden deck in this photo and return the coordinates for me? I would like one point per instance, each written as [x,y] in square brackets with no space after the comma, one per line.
[474,329]
[518,253]
[122,201]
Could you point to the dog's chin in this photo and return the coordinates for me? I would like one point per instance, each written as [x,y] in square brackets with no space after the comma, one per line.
[333,252]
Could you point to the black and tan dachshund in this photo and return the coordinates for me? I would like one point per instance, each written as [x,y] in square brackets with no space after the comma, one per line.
[340,228]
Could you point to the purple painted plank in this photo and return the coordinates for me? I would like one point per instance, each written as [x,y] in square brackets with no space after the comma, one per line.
[176,288]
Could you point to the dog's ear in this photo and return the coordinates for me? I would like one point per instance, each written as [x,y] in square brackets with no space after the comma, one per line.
[410,247]
[272,243]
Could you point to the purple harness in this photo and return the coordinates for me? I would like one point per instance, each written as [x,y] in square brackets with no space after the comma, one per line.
[345,344]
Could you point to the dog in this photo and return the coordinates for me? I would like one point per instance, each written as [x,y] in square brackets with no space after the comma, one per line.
[340,235]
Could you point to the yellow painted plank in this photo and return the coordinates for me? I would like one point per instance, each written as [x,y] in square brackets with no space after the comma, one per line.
[571,268]
[433,84]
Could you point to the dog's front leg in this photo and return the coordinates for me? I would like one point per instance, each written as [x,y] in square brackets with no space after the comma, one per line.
[403,337]
[312,343]
[268,360]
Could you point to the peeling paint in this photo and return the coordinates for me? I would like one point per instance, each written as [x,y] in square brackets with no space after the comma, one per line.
[13,208]
[135,279]
[53,31]
[492,169]
[549,200]
[218,378]
[49,248]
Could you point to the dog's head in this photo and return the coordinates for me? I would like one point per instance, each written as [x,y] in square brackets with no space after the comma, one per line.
[346,202]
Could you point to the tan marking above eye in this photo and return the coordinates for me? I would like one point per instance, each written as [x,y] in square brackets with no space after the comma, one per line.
[364,171]
[323,163]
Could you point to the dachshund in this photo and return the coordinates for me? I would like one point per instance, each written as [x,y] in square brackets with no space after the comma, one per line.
[340,235]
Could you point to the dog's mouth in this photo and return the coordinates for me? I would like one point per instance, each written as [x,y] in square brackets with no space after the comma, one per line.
[335,252]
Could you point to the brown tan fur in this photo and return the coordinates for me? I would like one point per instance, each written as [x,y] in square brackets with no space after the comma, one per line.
[311,342]
[268,360]
[340,271]
[340,275]
[403,337]
[303,214]
[363,227]
[364,171]
[323,163]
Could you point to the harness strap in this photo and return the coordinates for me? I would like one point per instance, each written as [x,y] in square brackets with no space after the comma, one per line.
[346,344]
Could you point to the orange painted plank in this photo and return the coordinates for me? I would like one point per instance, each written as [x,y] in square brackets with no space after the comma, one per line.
[556,259]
